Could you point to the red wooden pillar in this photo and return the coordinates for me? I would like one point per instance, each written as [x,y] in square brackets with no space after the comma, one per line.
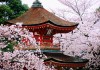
[51,40]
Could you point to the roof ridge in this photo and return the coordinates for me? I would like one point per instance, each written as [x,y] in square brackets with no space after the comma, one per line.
[36,4]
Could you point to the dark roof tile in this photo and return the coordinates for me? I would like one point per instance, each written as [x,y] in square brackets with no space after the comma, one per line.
[40,15]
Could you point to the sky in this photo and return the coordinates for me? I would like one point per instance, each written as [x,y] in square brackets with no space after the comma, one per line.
[47,4]
[56,7]
[52,4]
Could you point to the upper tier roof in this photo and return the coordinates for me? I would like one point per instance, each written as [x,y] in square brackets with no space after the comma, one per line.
[37,15]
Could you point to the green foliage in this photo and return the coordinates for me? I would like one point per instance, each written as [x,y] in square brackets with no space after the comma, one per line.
[25,7]
[17,7]
[10,44]
[12,9]
[8,48]
[5,13]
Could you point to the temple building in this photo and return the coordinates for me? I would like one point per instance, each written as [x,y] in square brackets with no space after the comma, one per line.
[44,25]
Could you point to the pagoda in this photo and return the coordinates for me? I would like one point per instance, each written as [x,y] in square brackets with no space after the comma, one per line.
[44,25]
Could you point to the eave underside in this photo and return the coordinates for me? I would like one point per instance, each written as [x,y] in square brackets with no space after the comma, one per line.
[56,29]
[59,59]
[69,65]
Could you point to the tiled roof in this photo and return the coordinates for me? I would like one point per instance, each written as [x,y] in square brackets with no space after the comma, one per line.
[60,57]
[38,16]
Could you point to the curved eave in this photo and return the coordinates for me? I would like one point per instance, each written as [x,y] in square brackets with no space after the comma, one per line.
[50,22]
[47,22]
[61,58]
[50,25]
[54,62]
[59,61]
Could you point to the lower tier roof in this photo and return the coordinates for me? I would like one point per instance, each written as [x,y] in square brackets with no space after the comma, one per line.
[61,58]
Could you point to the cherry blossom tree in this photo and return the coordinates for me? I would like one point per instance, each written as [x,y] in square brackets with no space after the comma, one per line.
[78,8]
[84,41]
[12,56]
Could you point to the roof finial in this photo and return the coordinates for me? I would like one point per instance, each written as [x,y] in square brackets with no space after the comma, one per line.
[37,3]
